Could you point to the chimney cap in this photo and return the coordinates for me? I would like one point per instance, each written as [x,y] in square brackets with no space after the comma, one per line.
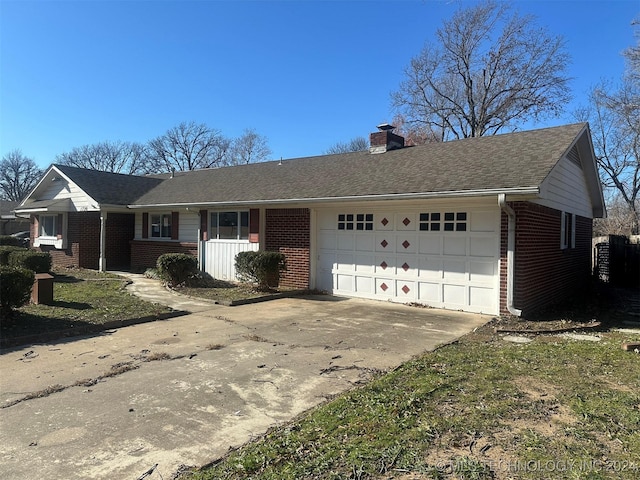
[383,127]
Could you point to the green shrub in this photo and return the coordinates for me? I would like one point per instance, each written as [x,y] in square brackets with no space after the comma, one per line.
[5,251]
[15,288]
[176,268]
[39,262]
[10,240]
[260,267]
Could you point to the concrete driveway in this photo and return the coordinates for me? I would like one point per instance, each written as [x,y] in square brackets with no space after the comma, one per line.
[182,391]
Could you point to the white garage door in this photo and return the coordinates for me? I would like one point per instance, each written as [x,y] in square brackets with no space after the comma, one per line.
[445,258]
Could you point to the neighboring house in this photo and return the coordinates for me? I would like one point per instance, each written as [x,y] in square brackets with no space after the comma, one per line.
[498,224]
[9,223]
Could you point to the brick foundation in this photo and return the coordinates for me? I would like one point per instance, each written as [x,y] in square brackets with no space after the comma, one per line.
[545,274]
[82,241]
[145,253]
[287,230]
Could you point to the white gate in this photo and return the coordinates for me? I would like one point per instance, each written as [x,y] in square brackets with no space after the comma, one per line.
[220,257]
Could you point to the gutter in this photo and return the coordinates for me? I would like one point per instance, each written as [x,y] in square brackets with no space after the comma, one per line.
[532,191]
[511,250]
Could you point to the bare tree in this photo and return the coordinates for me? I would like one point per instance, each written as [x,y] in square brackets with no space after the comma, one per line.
[188,146]
[614,115]
[356,144]
[116,157]
[414,134]
[250,147]
[18,175]
[489,70]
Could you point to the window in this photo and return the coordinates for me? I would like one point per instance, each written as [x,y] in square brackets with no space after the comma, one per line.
[355,221]
[453,222]
[49,225]
[568,231]
[230,225]
[160,225]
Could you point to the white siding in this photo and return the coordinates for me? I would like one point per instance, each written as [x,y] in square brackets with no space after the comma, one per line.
[566,189]
[60,190]
[220,255]
[189,225]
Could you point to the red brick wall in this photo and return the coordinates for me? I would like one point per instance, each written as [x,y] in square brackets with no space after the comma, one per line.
[145,253]
[287,230]
[82,241]
[545,274]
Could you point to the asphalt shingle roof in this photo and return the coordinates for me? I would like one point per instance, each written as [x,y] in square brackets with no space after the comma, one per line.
[500,162]
[508,161]
[109,188]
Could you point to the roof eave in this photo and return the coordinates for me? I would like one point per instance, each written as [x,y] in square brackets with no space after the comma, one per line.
[522,192]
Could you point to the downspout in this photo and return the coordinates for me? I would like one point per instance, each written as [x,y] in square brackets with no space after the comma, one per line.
[102,261]
[511,250]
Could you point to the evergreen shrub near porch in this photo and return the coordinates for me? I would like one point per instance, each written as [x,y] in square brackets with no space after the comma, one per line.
[177,268]
[15,289]
[262,268]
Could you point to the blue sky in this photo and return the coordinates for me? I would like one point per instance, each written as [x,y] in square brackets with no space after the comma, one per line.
[305,74]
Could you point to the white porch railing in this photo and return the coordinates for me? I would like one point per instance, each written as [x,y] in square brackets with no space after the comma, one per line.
[219,257]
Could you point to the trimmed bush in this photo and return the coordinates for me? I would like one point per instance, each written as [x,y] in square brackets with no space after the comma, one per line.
[10,240]
[39,262]
[260,267]
[6,250]
[177,268]
[15,288]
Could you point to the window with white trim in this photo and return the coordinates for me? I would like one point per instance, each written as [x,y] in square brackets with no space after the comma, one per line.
[229,225]
[568,231]
[49,226]
[355,221]
[160,225]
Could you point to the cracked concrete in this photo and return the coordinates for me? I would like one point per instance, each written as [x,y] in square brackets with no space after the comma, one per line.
[183,391]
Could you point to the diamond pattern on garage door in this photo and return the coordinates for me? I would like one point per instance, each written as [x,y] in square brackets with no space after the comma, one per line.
[445,258]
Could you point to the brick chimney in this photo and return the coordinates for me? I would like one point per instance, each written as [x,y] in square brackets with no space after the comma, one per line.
[384,139]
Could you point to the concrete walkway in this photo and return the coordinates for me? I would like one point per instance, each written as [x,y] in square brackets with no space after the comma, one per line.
[182,391]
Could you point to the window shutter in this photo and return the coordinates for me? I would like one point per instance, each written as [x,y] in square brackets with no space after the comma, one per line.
[59,226]
[254,225]
[573,231]
[204,225]
[145,225]
[175,217]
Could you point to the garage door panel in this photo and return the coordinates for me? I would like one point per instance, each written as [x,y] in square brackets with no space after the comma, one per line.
[406,291]
[454,294]
[455,246]
[345,262]
[429,293]
[430,267]
[405,222]
[345,283]
[454,270]
[364,285]
[364,243]
[483,247]
[484,222]
[406,244]
[385,243]
[385,287]
[364,264]
[328,240]
[345,242]
[430,244]
[481,298]
[446,258]
[482,271]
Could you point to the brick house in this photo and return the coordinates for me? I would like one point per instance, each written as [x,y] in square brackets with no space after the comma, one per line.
[497,224]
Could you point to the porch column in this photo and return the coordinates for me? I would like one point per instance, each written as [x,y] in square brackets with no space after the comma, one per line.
[102,262]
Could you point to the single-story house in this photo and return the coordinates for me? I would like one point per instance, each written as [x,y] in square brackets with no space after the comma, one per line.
[497,225]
